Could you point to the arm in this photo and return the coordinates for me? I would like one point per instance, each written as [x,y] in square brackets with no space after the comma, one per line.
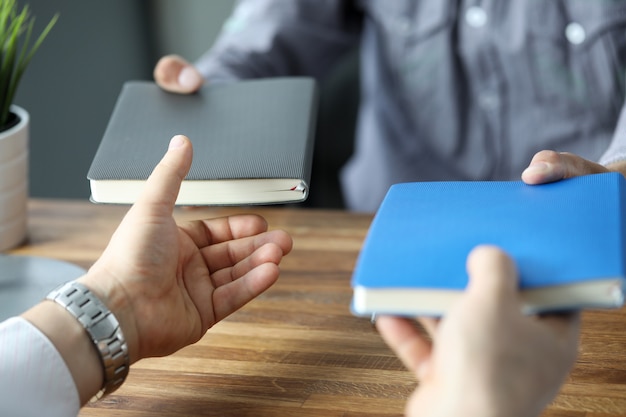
[485,358]
[166,284]
[267,38]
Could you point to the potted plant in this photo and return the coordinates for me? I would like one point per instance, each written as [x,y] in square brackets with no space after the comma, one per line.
[16,52]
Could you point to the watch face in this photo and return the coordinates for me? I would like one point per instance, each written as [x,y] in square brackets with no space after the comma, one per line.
[25,281]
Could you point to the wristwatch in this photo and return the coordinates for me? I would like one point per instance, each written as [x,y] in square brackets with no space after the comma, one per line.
[103,329]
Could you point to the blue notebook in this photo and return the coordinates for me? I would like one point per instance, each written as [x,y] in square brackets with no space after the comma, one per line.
[567,239]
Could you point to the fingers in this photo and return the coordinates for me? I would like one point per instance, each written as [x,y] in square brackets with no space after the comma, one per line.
[407,342]
[161,189]
[429,324]
[237,281]
[233,227]
[226,241]
[492,276]
[173,73]
[231,260]
[223,229]
[549,166]
[231,297]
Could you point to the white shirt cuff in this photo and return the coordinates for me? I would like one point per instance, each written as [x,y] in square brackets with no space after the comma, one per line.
[34,379]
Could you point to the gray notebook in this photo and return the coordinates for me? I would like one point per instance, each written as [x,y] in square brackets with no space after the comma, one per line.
[253,141]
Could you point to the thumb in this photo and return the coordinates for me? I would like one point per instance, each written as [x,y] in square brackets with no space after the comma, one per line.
[548,166]
[174,74]
[492,276]
[161,188]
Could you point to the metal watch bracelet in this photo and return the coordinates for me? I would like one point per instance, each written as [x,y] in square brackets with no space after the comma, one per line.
[103,329]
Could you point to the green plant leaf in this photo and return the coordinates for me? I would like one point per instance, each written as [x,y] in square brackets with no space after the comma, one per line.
[16,52]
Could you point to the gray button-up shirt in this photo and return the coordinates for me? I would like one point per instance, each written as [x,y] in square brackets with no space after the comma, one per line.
[451,90]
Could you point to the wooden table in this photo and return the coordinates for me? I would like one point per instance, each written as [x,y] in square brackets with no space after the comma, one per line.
[297,350]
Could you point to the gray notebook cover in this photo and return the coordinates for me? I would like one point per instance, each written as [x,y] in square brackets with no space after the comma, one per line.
[261,128]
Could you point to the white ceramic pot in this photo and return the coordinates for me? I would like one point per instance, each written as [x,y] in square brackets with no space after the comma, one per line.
[14,182]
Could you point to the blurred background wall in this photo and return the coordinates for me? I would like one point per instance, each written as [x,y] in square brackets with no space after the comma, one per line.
[71,86]
[72,83]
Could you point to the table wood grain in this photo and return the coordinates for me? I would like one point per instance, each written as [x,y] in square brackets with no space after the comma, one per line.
[297,350]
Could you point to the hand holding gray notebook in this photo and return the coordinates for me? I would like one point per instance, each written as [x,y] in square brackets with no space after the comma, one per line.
[253,141]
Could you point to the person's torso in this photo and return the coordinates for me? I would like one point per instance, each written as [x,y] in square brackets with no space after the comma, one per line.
[472,89]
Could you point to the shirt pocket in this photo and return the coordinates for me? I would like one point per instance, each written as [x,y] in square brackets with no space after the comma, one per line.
[578,57]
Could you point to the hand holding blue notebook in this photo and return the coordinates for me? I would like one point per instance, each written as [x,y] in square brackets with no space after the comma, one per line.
[567,239]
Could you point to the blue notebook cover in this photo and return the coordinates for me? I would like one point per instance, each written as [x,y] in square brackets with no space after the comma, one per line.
[558,233]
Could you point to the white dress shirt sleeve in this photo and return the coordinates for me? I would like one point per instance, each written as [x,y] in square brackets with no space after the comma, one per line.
[34,379]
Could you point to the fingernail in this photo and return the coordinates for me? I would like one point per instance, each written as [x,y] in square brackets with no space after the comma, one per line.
[176,142]
[537,168]
[189,78]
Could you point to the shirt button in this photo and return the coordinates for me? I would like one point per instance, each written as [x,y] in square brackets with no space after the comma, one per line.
[476,17]
[575,33]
